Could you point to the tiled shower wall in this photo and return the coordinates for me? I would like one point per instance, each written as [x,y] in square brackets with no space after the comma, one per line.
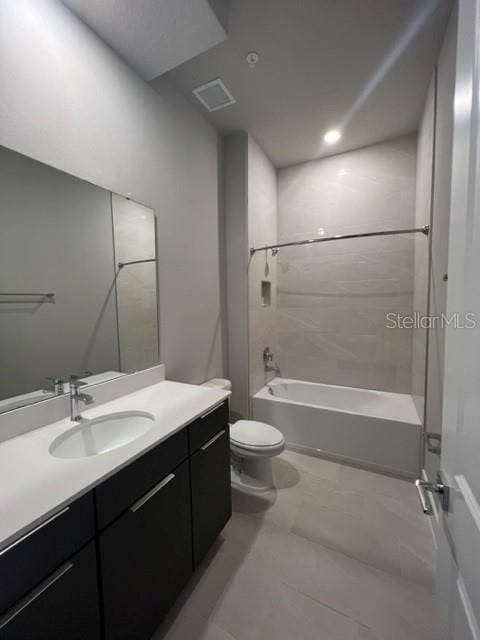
[421,257]
[262,229]
[333,298]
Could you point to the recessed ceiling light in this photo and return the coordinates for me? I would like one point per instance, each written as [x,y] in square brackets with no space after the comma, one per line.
[332,136]
[341,172]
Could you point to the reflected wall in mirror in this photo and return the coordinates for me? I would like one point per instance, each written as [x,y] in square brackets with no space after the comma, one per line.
[135,256]
[65,306]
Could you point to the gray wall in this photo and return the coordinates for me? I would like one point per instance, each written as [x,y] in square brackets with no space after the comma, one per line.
[68,100]
[250,220]
[236,243]
[56,236]
[333,298]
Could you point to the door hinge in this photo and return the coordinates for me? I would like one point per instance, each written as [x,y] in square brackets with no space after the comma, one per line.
[431,440]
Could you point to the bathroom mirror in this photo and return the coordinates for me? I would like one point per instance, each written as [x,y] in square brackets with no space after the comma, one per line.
[78,282]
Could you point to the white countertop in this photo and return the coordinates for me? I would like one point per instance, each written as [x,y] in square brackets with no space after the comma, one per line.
[34,484]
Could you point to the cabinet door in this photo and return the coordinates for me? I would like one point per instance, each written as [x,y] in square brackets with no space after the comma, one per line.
[211,492]
[64,605]
[146,558]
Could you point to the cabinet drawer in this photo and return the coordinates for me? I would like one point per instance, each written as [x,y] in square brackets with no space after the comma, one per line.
[64,605]
[206,426]
[120,491]
[26,562]
[146,558]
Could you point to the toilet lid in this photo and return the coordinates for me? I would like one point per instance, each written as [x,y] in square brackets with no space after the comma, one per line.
[255,434]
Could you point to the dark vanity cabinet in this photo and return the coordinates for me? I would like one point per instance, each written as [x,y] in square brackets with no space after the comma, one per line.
[64,605]
[210,473]
[49,579]
[146,558]
[110,565]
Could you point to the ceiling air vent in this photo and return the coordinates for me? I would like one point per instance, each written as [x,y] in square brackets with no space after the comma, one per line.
[214,95]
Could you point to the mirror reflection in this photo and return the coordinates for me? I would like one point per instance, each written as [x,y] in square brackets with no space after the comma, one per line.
[78,288]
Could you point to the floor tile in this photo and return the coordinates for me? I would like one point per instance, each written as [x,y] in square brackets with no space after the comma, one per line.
[371,527]
[333,552]
[191,628]
[276,507]
[294,615]
[311,464]
[370,482]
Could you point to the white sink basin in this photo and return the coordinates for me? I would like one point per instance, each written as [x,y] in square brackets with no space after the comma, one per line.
[92,437]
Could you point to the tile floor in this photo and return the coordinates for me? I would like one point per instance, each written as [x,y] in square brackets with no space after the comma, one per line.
[334,553]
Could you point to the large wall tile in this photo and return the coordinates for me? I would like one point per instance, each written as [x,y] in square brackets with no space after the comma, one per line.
[333,298]
[262,229]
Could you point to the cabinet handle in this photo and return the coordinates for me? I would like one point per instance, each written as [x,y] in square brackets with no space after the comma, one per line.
[207,413]
[214,439]
[37,528]
[151,493]
[33,595]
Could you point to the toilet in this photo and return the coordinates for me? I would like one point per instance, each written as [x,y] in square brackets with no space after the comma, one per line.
[252,446]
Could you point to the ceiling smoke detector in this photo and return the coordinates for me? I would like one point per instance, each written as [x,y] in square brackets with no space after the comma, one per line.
[214,95]
[252,59]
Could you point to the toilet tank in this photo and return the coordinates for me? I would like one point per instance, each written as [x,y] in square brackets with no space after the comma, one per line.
[218,383]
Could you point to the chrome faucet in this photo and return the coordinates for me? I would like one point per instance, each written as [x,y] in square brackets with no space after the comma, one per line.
[268,362]
[76,397]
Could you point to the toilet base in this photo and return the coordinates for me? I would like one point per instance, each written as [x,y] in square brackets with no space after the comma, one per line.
[251,474]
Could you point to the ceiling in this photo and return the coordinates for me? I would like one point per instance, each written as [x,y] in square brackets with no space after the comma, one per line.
[359,65]
[153,36]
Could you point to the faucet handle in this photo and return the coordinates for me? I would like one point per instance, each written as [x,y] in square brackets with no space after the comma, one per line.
[56,385]
[267,355]
[75,382]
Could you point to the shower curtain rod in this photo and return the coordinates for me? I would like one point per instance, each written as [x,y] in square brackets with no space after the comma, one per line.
[346,236]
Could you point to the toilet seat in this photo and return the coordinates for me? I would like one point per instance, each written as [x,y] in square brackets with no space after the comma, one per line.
[251,435]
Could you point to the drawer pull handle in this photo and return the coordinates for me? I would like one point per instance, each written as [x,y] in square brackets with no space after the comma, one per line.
[151,493]
[207,413]
[30,533]
[214,439]
[36,593]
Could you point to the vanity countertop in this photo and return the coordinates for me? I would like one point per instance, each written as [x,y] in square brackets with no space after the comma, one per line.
[34,484]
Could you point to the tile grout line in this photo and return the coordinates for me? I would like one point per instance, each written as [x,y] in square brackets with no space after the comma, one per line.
[327,606]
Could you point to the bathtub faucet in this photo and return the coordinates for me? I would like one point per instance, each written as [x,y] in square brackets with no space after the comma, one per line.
[268,362]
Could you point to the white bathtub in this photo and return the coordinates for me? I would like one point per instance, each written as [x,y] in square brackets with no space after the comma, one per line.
[373,428]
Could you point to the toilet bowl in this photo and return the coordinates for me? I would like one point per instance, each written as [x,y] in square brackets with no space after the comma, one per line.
[252,446]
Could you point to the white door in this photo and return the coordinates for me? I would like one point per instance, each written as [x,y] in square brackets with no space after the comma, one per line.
[458,529]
